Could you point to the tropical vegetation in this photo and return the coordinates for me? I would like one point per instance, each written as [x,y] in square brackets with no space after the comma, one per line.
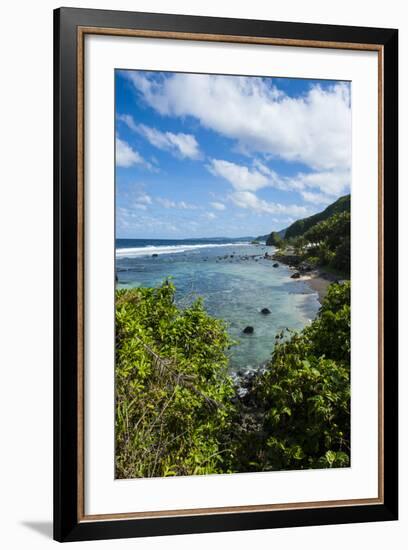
[321,240]
[325,244]
[299,227]
[179,412]
[173,391]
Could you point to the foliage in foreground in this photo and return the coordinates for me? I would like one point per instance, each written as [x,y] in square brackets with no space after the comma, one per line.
[178,413]
[296,414]
[173,392]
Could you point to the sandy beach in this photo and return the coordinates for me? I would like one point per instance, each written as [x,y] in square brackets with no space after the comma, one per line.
[319,281]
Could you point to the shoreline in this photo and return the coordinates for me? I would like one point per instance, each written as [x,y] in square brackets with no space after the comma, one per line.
[317,278]
[319,281]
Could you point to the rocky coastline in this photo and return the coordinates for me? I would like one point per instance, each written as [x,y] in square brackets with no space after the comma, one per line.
[318,279]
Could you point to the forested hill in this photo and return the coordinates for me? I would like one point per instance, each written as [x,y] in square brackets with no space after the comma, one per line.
[301,226]
[281,233]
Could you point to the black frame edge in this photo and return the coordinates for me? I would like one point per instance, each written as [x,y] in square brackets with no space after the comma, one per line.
[56,468]
[66,525]
[188,525]
[65,278]
[390,259]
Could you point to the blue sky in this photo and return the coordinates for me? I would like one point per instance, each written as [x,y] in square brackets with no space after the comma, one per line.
[226,156]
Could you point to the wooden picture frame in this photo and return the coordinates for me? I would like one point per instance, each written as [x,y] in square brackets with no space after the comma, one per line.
[70,28]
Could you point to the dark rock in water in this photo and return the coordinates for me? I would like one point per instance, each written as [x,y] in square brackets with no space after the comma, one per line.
[305,267]
[275,264]
[265,311]
[248,330]
[154,255]
[266,255]
[232,255]
[296,275]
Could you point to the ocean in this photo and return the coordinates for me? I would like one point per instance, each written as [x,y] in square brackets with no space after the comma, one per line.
[235,281]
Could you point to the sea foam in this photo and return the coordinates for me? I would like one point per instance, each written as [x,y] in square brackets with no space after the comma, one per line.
[169,249]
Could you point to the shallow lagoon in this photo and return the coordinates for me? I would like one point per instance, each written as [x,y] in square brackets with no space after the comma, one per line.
[235,281]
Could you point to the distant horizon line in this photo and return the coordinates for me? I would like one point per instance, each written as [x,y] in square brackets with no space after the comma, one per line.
[182,238]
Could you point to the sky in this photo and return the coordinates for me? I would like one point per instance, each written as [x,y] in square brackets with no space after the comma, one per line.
[202,155]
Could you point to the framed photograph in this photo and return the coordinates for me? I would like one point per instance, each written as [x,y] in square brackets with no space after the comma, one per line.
[225,274]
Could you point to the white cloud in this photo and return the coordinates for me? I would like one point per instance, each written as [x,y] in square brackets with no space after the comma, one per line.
[240,177]
[182,205]
[210,216]
[316,198]
[142,201]
[314,129]
[129,220]
[218,205]
[263,168]
[180,144]
[125,155]
[246,199]
[187,206]
[166,203]
[143,198]
[128,120]
[326,184]
[332,183]
[185,144]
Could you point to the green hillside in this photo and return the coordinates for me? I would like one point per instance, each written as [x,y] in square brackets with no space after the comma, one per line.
[281,233]
[301,226]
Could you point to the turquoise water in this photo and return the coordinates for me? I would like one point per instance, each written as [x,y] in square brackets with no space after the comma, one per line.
[235,281]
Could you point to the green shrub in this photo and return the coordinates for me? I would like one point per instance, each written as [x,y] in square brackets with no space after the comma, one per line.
[178,412]
[173,391]
[274,239]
